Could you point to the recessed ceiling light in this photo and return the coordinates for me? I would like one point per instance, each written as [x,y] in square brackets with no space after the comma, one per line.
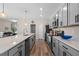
[14,43]
[41,9]
[25,24]
[41,15]
[56,15]
[65,8]
[14,20]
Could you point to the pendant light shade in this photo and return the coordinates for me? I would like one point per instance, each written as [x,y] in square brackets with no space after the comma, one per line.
[25,13]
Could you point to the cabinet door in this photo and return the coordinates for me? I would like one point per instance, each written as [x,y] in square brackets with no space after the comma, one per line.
[64,11]
[57,19]
[18,50]
[55,46]
[30,42]
[27,47]
[32,39]
[72,9]
[23,48]
[60,51]
[64,50]
[4,54]
[77,16]
[60,18]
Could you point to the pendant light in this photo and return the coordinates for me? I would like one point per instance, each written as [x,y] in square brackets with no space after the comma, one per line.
[25,13]
[3,14]
[24,17]
[41,9]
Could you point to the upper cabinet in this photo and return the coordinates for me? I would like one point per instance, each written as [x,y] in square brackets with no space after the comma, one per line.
[60,18]
[72,13]
[64,15]
[68,15]
[55,21]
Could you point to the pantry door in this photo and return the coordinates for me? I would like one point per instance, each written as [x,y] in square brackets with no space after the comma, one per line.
[33,28]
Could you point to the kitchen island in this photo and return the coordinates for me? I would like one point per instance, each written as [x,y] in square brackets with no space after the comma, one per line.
[16,45]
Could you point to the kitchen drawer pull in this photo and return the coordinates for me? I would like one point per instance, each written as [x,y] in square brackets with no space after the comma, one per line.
[53,44]
[20,46]
[65,47]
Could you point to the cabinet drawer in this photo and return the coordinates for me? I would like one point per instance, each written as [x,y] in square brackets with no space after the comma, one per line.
[70,50]
[54,39]
[4,54]
[14,50]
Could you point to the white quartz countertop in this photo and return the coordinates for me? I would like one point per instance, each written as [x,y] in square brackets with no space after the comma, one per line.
[70,42]
[7,43]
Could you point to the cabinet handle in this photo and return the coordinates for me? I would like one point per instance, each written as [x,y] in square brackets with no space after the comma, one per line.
[64,53]
[20,46]
[65,47]
[54,44]
[75,18]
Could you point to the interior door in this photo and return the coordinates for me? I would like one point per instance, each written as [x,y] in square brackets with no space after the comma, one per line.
[33,28]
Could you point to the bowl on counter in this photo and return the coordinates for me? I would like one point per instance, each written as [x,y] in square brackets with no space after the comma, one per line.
[66,37]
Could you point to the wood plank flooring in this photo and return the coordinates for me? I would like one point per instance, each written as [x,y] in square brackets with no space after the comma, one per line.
[40,48]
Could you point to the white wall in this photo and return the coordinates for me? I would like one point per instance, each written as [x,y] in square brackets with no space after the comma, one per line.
[40,27]
[3,24]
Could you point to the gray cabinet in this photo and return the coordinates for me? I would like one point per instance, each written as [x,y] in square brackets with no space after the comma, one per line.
[32,41]
[27,47]
[29,42]
[4,54]
[65,50]
[55,46]
[21,49]
[64,14]
[68,14]
[60,17]
[73,11]
[18,50]
[62,49]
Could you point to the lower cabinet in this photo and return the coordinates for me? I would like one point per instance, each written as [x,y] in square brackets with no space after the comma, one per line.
[4,54]
[29,42]
[22,49]
[55,47]
[27,47]
[32,41]
[65,50]
[62,49]
[18,50]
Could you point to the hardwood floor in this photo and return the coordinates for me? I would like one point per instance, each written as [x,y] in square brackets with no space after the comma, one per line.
[41,49]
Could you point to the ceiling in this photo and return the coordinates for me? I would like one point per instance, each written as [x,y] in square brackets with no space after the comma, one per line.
[16,10]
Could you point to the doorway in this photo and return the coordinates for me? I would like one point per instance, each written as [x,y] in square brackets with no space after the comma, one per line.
[33,28]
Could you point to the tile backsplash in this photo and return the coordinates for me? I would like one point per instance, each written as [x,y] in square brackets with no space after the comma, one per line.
[74,31]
